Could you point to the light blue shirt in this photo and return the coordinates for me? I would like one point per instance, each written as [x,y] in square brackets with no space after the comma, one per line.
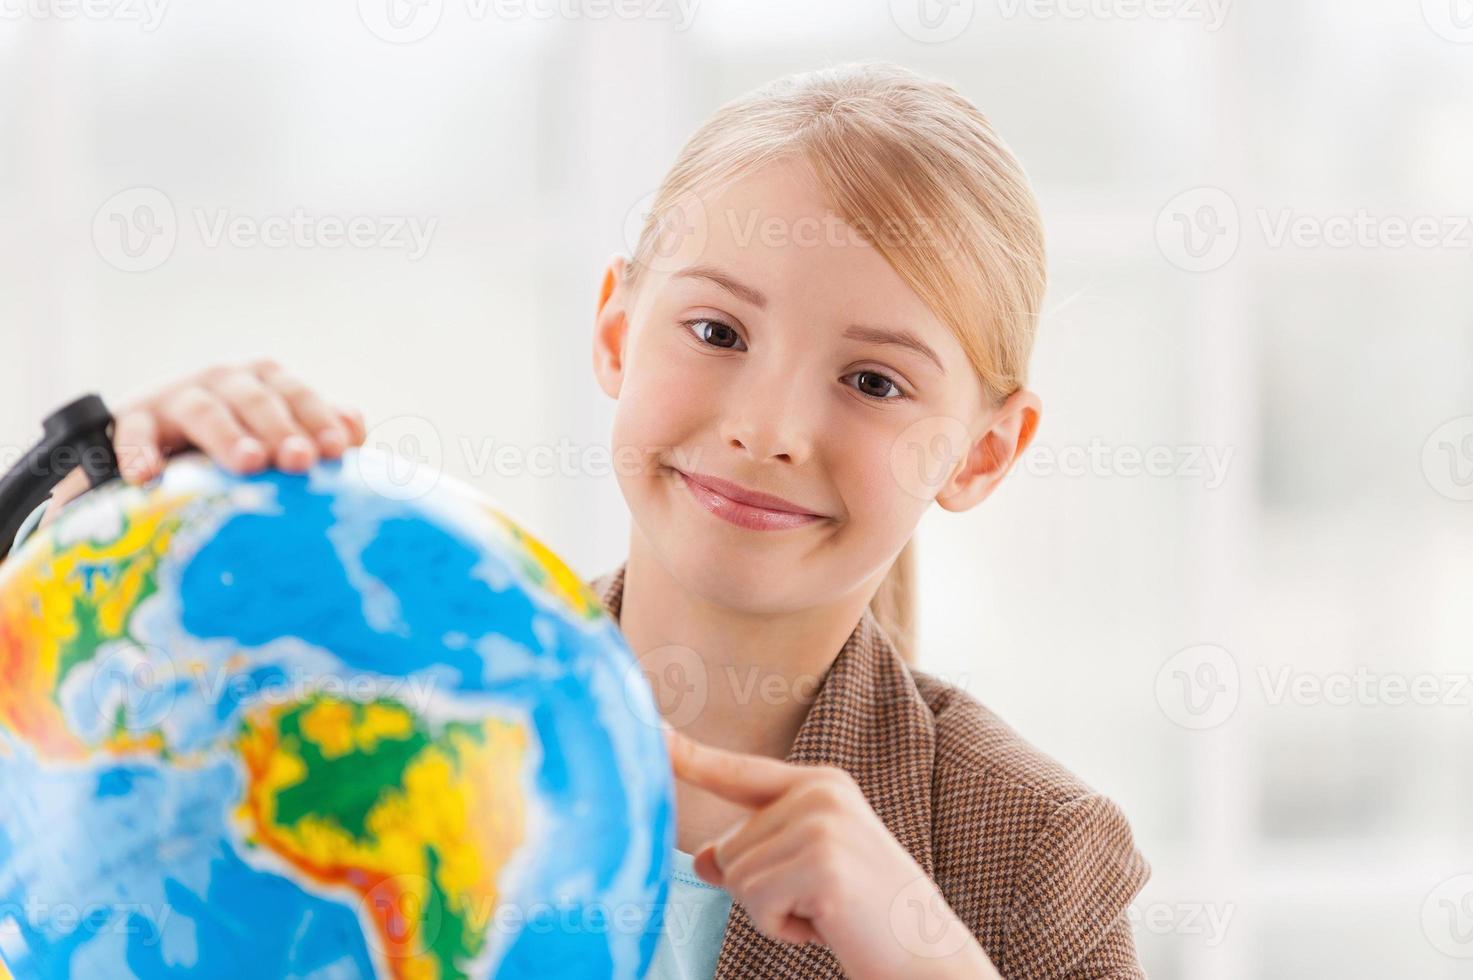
[695,922]
[29,524]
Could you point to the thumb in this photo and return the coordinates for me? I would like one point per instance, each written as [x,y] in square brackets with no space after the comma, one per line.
[70,487]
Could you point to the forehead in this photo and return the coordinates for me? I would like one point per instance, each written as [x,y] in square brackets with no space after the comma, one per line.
[775,229]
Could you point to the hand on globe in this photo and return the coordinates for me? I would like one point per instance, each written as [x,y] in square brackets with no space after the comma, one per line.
[243,416]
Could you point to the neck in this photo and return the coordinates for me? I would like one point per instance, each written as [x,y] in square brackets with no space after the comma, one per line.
[729,677]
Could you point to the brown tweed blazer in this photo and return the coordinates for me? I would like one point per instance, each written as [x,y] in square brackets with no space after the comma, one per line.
[1038,864]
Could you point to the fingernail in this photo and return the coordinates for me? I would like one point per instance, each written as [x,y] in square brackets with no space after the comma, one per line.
[355,417]
[249,453]
[332,440]
[300,447]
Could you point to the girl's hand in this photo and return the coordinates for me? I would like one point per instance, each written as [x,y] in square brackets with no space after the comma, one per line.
[814,863]
[241,416]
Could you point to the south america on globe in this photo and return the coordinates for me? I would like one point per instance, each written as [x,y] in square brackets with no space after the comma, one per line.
[340,724]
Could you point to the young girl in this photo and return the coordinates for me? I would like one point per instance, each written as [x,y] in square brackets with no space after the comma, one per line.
[824,328]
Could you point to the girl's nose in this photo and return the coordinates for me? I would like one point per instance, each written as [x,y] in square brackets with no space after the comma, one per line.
[767,429]
[770,410]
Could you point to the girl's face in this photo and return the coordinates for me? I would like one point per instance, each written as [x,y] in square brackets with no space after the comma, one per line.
[768,346]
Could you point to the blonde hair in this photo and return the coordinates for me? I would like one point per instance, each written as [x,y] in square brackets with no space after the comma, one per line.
[918,171]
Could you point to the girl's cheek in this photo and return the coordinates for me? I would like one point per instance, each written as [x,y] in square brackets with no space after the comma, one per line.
[656,416]
[877,484]
[679,390]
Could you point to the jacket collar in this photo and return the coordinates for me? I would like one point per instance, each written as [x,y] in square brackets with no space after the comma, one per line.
[868,719]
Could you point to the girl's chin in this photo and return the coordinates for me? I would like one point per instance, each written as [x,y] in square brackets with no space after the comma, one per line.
[744,582]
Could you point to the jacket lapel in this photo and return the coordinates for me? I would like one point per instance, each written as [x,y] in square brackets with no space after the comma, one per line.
[868,719]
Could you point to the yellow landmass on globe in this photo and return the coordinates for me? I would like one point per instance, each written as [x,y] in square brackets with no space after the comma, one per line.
[76,598]
[418,820]
[550,572]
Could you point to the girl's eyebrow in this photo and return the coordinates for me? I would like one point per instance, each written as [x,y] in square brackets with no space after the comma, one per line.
[741,290]
[900,338]
[860,332]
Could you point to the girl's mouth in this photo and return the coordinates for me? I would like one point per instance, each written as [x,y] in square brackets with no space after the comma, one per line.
[746,515]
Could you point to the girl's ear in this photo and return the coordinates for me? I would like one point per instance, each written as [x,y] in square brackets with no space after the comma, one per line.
[611,328]
[992,455]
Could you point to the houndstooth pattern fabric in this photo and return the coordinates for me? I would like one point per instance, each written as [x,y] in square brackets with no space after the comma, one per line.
[1039,865]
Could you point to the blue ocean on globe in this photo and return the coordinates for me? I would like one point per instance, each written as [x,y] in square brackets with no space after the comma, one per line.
[350,723]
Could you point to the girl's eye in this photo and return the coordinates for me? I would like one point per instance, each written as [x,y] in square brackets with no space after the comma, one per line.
[877,386]
[716,334]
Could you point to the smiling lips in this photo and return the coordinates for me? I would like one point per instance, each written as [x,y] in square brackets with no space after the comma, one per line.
[745,508]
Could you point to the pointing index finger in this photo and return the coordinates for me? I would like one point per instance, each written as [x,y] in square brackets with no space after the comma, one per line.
[749,780]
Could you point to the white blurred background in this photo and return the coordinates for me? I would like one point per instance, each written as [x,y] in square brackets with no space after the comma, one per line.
[1231,587]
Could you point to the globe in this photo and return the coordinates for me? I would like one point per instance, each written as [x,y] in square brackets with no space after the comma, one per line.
[347,723]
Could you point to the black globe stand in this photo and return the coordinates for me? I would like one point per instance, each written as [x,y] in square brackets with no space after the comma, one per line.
[77,434]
